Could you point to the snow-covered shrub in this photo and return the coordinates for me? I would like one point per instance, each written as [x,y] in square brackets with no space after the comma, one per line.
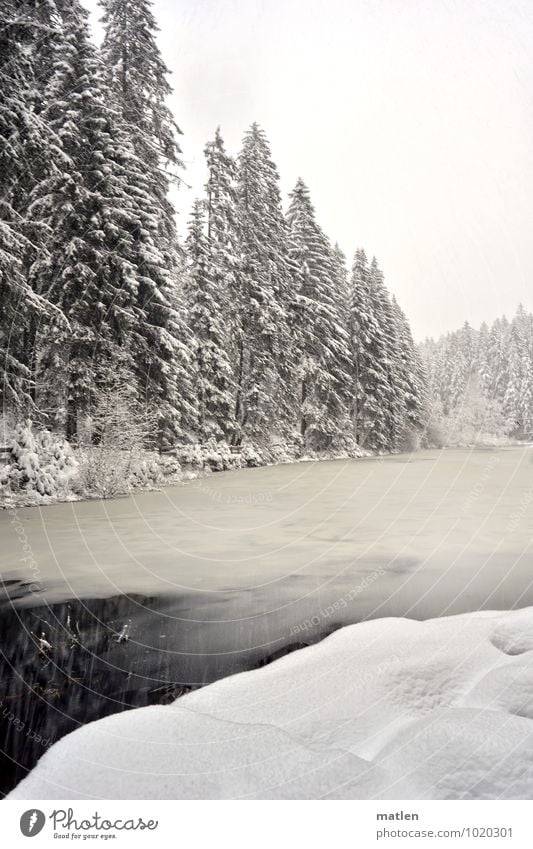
[169,466]
[25,466]
[269,453]
[342,444]
[219,457]
[250,456]
[190,456]
[146,472]
[295,449]
[114,439]
[433,435]
[57,458]
[106,472]
[410,440]
[5,485]
[477,421]
[41,463]
[212,456]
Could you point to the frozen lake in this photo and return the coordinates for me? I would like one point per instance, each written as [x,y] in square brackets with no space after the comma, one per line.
[224,573]
[417,535]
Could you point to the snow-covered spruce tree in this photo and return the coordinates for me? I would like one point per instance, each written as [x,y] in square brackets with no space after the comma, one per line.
[342,282]
[221,206]
[369,351]
[411,379]
[394,354]
[137,80]
[104,268]
[498,350]
[518,398]
[223,237]
[86,271]
[46,16]
[521,342]
[46,21]
[207,318]
[265,406]
[482,362]
[463,364]
[137,77]
[26,142]
[455,372]
[323,367]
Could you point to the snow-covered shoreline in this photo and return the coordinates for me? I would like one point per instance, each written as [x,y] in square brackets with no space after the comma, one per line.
[187,475]
[391,708]
[168,472]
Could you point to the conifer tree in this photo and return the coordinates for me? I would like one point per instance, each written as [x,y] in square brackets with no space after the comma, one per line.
[518,398]
[370,379]
[213,369]
[481,361]
[412,375]
[498,355]
[26,142]
[84,206]
[138,81]
[342,283]
[265,361]
[322,339]
[223,244]
[393,357]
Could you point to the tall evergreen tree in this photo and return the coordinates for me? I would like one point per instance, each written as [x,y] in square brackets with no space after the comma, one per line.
[104,268]
[138,80]
[86,272]
[265,360]
[213,369]
[481,360]
[411,375]
[342,283]
[224,247]
[392,357]
[26,142]
[369,346]
[518,398]
[322,339]
[498,355]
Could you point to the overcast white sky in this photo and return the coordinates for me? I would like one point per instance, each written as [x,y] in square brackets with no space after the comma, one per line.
[410,120]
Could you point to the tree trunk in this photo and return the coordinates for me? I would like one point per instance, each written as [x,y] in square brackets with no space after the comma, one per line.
[71,425]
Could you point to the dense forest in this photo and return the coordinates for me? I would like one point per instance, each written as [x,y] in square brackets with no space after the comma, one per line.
[250,333]
[480,382]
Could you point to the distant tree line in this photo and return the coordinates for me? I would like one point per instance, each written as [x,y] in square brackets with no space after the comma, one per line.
[253,331]
[480,382]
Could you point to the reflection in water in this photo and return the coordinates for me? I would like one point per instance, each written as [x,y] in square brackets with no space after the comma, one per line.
[70,663]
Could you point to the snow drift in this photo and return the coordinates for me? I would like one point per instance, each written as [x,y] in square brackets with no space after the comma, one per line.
[386,709]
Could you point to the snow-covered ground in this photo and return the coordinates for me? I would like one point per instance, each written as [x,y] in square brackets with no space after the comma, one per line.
[391,708]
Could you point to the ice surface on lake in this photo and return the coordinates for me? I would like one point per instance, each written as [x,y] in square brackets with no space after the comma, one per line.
[392,709]
[420,535]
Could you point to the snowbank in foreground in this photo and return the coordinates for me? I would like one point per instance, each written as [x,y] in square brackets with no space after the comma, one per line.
[385,709]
